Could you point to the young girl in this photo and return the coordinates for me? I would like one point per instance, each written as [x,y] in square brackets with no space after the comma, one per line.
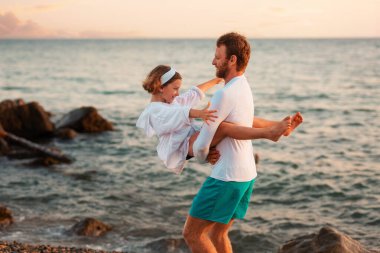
[169,116]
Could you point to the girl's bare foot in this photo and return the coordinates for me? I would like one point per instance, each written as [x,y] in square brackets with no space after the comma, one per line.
[296,121]
[276,131]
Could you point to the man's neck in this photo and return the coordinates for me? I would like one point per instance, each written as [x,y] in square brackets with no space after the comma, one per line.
[232,74]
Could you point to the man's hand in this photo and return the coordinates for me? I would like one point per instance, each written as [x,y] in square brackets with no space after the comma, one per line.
[213,156]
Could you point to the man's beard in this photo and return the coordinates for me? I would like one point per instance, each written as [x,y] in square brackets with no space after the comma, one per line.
[222,71]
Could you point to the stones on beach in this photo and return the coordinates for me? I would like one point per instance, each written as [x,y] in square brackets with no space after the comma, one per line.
[168,245]
[13,247]
[90,227]
[44,161]
[26,120]
[6,218]
[328,240]
[84,119]
[66,133]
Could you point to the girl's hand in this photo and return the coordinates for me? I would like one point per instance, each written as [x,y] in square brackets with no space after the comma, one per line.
[207,115]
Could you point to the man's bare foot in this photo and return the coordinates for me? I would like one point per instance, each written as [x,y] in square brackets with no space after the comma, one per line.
[276,131]
[296,121]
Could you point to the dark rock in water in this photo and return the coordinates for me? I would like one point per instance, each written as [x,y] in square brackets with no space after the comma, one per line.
[42,151]
[328,240]
[168,245]
[6,218]
[85,119]
[4,147]
[90,227]
[66,133]
[44,161]
[7,104]
[21,154]
[25,120]
[257,158]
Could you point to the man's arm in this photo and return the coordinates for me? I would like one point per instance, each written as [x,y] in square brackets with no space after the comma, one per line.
[201,146]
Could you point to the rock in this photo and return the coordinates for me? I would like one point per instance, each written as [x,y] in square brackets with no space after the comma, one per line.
[21,154]
[168,245]
[44,161]
[257,158]
[328,240]
[4,147]
[17,247]
[90,227]
[26,120]
[6,218]
[65,133]
[7,104]
[84,119]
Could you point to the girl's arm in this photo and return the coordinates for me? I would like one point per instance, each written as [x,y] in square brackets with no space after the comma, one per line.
[209,84]
[195,94]
[205,114]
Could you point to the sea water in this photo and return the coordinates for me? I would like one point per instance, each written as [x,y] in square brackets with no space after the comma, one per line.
[326,173]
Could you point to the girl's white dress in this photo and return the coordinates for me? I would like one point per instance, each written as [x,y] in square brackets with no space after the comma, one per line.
[173,126]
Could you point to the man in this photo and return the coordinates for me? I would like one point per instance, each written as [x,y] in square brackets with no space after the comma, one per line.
[225,195]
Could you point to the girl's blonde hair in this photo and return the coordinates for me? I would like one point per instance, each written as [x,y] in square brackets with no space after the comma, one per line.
[152,82]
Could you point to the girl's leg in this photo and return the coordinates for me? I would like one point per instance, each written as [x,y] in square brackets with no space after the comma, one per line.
[191,142]
[227,129]
[273,133]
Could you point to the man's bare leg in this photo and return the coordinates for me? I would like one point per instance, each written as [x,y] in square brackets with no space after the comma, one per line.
[296,121]
[219,237]
[196,235]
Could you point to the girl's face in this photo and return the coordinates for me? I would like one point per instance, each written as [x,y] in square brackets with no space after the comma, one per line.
[170,91]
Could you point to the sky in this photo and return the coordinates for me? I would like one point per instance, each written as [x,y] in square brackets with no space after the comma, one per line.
[189,19]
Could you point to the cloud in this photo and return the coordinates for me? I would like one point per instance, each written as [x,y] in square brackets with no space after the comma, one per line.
[45,7]
[103,34]
[13,27]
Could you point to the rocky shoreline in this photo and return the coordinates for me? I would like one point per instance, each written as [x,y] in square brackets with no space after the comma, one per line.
[28,123]
[24,125]
[11,247]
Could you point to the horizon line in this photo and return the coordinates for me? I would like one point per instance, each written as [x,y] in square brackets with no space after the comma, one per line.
[188,38]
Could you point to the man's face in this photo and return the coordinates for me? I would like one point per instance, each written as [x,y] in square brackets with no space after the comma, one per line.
[170,91]
[220,62]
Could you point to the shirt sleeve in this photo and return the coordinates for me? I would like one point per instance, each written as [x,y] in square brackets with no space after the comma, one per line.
[223,106]
[190,97]
[170,119]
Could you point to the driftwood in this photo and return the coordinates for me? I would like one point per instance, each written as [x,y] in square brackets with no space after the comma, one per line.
[41,149]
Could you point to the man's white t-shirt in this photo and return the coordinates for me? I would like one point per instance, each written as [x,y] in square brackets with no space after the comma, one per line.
[234,103]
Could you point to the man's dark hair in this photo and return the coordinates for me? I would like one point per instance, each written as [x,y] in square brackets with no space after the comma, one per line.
[238,45]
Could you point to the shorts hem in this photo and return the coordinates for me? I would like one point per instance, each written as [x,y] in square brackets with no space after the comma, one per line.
[210,219]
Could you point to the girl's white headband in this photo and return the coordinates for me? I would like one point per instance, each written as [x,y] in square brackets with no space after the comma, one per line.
[167,76]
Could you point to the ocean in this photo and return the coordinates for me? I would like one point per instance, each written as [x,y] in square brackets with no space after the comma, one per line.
[326,173]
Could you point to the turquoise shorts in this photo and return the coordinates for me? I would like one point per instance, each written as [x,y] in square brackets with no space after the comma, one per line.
[222,201]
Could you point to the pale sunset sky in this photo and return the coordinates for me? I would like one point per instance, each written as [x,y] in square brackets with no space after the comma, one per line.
[189,19]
